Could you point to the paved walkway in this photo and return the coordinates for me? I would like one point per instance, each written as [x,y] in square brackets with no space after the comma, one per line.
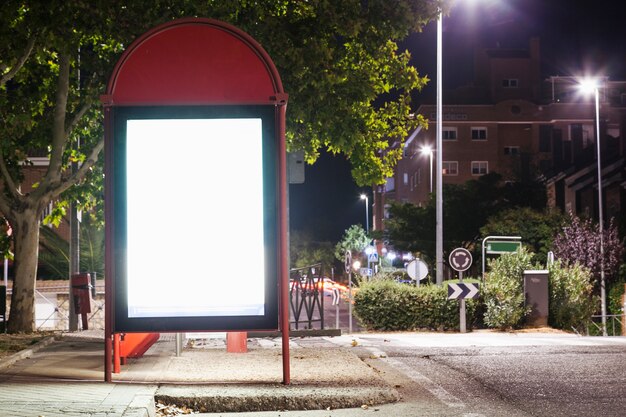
[64,377]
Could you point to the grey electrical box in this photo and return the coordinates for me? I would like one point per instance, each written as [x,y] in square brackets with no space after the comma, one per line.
[295,167]
[536,296]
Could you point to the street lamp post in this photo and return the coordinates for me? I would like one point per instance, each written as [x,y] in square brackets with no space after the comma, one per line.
[367,216]
[438,147]
[427,150]
[592,86]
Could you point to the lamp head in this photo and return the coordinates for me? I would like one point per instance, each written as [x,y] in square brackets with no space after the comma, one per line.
[426,150]
[589,85]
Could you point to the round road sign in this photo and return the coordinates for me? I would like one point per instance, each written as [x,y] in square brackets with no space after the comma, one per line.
[417,269]
[348,261]
[460,259]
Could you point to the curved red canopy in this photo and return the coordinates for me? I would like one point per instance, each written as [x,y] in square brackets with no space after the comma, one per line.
[194,61]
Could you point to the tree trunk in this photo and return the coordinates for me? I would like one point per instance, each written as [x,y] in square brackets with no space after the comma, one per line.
[26,235]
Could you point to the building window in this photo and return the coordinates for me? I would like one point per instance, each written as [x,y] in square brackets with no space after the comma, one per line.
[479,133]
[545,138]
[390,185]
[588,136]
[480,167]
[510,83]
[449,133]
[511,150]
[405,178]
[450,168]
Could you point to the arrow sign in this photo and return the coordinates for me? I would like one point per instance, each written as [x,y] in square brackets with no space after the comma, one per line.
[460,259]
[335,295]
[462,290]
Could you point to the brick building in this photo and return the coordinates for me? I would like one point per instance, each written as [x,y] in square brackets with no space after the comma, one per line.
[515,122]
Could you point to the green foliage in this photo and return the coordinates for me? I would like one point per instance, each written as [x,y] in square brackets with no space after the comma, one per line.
[615,292]
[504,290]
[537,228]
[349,89]
[54,252]
[571,301]
[303,251]
[388,305]
[354,240]
[412,228]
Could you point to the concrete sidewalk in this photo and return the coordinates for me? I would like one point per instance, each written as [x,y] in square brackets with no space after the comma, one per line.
[64,378]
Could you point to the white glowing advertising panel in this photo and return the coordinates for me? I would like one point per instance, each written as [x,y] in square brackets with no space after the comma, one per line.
[196,236]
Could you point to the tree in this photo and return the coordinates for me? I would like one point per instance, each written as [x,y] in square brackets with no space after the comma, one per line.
[466,208]
[354,240]
[303,251]
[537,228]
[579,242]
[349,92]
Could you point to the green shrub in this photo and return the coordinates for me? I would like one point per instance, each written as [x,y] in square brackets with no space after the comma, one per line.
[616,290]
[388,305]
[503,291]
[571,301]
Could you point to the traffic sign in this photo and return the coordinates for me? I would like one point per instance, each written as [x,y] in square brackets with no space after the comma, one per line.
[460,259]
[417,269]
[372,257]
[365,272]
[462,290]
[348,261]
[335,295]
[495,247]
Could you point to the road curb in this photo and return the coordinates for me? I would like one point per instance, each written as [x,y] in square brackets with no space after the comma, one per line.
[25,353]
[250,398]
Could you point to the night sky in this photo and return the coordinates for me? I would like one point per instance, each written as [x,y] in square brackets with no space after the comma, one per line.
[577,37]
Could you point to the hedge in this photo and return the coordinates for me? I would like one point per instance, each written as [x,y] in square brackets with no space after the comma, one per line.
[388,305]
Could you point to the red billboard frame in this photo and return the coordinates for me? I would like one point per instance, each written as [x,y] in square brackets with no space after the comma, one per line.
[195,62]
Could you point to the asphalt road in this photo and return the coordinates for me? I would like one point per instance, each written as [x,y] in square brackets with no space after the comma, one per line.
[473,375]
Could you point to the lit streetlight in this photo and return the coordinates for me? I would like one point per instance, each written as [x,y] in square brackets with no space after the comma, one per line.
[427,150]
[367,216]
[591,86]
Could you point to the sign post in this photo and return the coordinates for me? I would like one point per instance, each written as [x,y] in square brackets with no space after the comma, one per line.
[210,90]
[348,266]
[460,260]
[496,245]
[417,270]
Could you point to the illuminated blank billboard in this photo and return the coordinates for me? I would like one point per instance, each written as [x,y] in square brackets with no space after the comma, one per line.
[195,210]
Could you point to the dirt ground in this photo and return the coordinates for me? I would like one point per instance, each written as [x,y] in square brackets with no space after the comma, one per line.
[12,343]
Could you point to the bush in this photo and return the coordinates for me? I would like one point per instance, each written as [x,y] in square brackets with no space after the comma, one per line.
[571,301]
[504,290]
[388,305]
[615,292]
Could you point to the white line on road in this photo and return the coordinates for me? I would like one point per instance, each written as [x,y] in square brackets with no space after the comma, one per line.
[439,392]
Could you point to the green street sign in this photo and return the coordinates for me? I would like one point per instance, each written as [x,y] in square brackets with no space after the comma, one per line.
[498,247]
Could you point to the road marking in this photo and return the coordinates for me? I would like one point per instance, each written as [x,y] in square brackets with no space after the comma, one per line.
[439,392]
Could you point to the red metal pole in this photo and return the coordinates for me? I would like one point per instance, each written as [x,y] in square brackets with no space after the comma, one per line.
[108,282]
[116,354]
[283,225]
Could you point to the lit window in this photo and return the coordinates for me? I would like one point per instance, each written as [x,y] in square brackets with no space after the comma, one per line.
[450,168]
[480,167]
[479,133]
